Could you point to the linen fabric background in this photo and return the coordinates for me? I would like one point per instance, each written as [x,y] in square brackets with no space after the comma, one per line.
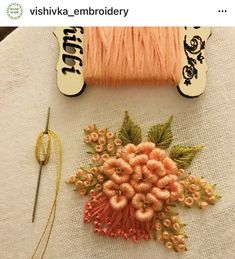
[28,86]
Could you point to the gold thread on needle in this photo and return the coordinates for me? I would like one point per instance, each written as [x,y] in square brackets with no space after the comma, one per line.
[41,163]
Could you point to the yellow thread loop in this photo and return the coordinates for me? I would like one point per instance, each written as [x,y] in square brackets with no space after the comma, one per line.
[42,153]
[43,148]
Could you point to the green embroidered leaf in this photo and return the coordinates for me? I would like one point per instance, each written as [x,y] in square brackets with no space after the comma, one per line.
[130,132]
[161,134]
[183,155]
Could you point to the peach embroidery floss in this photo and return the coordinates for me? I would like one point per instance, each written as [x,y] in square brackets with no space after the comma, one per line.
[134,192]
[132,55]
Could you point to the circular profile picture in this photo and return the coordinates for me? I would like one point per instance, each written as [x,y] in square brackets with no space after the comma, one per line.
[14,10]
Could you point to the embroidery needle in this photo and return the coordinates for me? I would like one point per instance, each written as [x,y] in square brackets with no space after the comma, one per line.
[40,171]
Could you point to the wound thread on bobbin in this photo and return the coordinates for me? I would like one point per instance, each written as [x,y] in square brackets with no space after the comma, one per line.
[119,56]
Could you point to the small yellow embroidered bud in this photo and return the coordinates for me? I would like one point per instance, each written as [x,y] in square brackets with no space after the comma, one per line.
[209,191]
[79,173]
[188,201]
[110,147]
[180,248]
[192,178]
[167,209]
[176,226]
[90,128]
[109,135]
[173,219]
[92,193]
[158,226]
[102,141]
[161,215]
[101,132]
[160,238]
[202,182]
[99,148]
[94,170]
[181,239]
[90,177]
[193,188]
[212,199]
[82,192]
[98,187]
[169,245]
[105,157]
[94,136]
[181,198]
[100,178]
[71,179]
[79,184]
[165,235]
[174,239]
[86,183]
[167,223]
[196,196]
[87,139]
[117,142]
[96,158]
[203,205]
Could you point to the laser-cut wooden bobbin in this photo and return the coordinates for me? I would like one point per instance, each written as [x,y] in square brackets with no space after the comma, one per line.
[70,79]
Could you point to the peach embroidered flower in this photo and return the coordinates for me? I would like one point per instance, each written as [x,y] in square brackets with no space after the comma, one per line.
[117,169]
[118,194]
[128,152]
[145,147]
[157,154]
[133,188]
[145,206]
[149,172]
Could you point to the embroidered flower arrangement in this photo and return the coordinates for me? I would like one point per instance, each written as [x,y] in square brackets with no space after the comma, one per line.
[134,186]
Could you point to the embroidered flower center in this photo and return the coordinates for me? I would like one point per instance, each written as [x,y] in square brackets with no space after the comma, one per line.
[118,170]
[146,204]
[118,192]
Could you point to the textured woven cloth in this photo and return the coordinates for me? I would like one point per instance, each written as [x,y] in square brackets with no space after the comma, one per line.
[28,86]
